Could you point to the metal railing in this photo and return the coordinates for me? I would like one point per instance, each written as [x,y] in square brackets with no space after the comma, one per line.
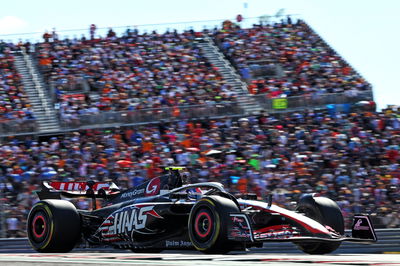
[153,115]
[15,126]
[35,79]
[207,110]
[107,118]
[312,101]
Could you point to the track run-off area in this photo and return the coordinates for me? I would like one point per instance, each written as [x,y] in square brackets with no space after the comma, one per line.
[192,259]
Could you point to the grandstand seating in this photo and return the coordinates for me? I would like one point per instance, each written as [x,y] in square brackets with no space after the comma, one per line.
[151,70]
[132,72]
[15,108]
[287,59]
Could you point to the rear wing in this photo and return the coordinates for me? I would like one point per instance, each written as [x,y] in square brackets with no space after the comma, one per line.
[175,178]
[89,189]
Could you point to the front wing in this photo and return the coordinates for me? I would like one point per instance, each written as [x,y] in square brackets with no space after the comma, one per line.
[241,231]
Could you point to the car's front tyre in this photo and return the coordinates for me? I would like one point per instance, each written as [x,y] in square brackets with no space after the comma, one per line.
[208,224]
[326,212]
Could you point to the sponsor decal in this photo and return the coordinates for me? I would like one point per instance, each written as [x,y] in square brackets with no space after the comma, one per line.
[125,221]
[273,228]
[275,235]
[132,193]
[153,187]
[236,219]
[240,228]
[78,186]
[238,233]
[176,243]
[239,222]
[358,226]
[362,228]
[275,231]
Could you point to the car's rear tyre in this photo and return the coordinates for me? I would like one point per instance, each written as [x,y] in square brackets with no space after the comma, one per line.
[208,224]
[326,212]
[53,226]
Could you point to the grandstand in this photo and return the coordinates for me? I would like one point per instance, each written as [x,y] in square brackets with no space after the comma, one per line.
[277,103]
[15,108]
[287,59]
[142,77]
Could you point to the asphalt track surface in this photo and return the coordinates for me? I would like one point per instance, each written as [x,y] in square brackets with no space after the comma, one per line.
[193,259]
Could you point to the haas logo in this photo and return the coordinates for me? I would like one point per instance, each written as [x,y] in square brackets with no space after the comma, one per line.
[153,187]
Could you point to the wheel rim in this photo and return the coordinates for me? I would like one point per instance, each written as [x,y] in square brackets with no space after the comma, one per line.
[203,225]
[39,227]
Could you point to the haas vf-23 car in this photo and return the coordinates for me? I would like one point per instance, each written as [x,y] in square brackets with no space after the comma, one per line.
[165,213]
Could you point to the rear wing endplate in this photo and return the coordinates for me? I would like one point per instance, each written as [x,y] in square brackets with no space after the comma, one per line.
[362,228]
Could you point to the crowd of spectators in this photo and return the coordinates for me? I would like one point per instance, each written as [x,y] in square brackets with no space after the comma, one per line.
[352,158]
[287,59]
[14,104]
[134,71]
[151,70]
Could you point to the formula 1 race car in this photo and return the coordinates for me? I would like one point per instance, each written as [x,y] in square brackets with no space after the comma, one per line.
[165,213]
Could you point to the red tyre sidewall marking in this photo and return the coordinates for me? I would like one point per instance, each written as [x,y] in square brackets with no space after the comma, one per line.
[196,224]
[34,229]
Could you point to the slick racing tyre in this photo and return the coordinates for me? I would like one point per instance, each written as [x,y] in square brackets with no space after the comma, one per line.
[53,226]
[326,212]
[208,224]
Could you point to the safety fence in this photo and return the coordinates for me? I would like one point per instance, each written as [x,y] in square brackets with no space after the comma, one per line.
[311,101]
[388,242]
[233,108]
[153,115]
[15,126]
[338,101]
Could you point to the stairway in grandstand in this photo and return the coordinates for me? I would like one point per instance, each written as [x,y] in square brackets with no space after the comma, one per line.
[45,115]
[228,72]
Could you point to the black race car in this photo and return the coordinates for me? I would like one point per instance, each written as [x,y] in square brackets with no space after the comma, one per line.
[165,213]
